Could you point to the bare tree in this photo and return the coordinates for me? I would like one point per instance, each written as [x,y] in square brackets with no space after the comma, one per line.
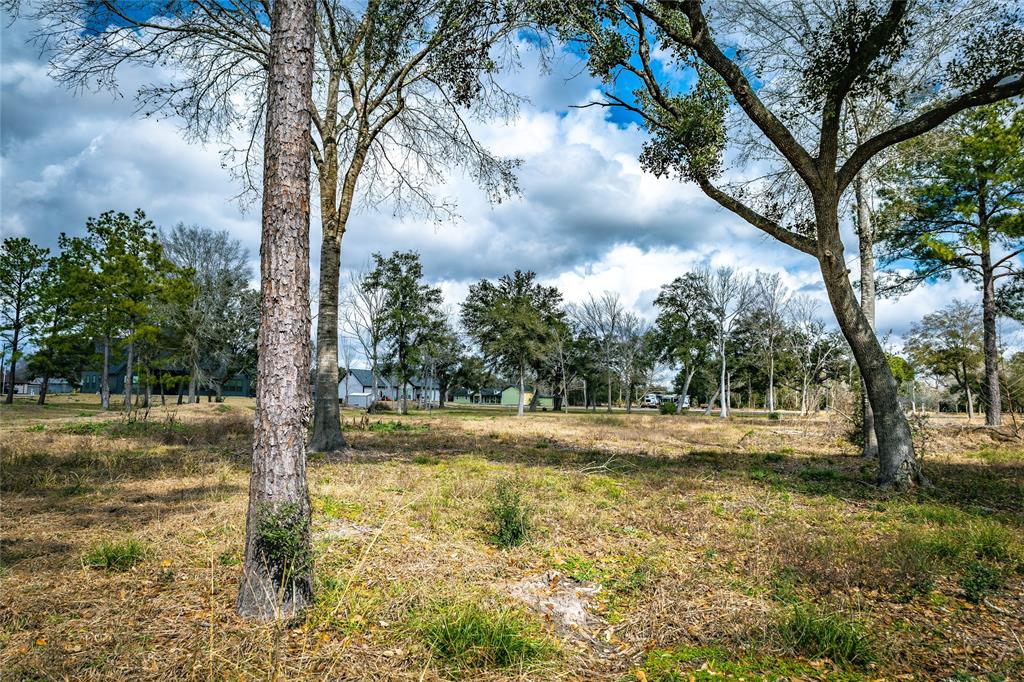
[600,319]
[365,318]
[728,294]
[812,342]
[634,357]
[771,300]
[277,577]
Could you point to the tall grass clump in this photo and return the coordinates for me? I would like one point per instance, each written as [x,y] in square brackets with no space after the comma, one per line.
[509,514]
[465,637]
[116,555]
[817,634]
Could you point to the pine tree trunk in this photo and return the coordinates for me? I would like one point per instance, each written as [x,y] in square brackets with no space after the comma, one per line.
[105,379]
[993,397]
[866,244]
[898,466]
[278,584]
[128,377]
[327,436]
[14,365]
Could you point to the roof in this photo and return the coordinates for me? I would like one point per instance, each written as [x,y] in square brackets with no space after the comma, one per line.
[365,378]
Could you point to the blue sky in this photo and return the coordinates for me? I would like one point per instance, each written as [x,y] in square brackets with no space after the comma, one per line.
[589,219]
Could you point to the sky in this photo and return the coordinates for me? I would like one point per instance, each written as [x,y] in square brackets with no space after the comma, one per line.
[588,218]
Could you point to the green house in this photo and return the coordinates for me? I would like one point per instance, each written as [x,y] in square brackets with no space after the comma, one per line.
[510,398]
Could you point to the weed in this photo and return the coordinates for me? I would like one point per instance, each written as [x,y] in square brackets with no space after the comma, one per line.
[774,416]
[980,580]
[115,556]
[465,637]
[425,459]
[36,428]
[992,542]
[579,569]
[667,408]
[818,634]
[282,534]
[509,514]
[229,559]
[333,508]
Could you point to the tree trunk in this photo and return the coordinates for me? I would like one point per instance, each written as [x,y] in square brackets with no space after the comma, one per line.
[993,398]
[866,245]
[771,381]
[181,391]
[898,466]
[609,408]
[193,385]
[686,391]
[278,583]
[327,436]
[43,389]
[722,391]
[14,364]
[105,379]
[970,398]
[711,403]
[522,390]
[128,376]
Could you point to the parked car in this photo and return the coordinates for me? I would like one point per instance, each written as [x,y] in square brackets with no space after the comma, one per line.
[650,400]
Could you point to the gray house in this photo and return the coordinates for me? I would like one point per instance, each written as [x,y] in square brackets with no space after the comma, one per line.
[358,386]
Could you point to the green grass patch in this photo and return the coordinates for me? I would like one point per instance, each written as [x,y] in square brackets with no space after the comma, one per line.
[426,460]
[36,428]
[820,474]
[816,633]
[464,637]
[333,508]
[981,579]
[116,555]
[713,663]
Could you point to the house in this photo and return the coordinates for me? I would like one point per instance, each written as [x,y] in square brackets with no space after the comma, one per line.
[510,397]
[238,385]
[485,396]
[358,381]
[35,386]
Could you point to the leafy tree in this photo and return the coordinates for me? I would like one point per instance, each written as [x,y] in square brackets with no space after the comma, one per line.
[685,329]
[958,208]
[412,311]
[443,355]
[948,343]
[857,47]
[61,349]
[514,322]
[22,267]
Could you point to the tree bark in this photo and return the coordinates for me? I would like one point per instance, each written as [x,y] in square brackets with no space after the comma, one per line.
[771,380]
[866,246]
[327,436]
[278,584]
[686,391]
[128,377]
[722,391]
[993,397]
[105,379]
[898,466]
[522,389]
[14,362]
[43,389]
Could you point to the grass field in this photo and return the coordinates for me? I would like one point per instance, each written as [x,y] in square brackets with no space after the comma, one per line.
[657,548]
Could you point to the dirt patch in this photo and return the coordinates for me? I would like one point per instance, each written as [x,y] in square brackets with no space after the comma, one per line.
[564,603]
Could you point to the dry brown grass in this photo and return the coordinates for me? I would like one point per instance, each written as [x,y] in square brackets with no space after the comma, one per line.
[701,534]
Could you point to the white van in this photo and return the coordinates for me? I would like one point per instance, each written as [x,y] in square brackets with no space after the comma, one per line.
[650,400]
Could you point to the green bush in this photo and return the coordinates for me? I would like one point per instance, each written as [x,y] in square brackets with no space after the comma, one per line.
[464,636]
[817,634]
[774,416]
[282,535]
[115,556]
[980,580]
[667,408]
[509,514]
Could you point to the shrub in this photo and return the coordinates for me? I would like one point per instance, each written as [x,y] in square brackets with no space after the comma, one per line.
[282,534]
[774,416]
[464,636]
[818,634]
[667,408]
[980,580]
[115,556]
[509,514]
